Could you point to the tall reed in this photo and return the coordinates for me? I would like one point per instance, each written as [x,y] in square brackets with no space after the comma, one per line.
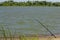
[4,32]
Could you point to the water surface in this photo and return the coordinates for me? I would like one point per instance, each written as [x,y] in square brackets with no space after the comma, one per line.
[20,20]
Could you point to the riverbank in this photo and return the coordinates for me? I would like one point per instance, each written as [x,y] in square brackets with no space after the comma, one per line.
[32,38]
[30,3]
[50,38]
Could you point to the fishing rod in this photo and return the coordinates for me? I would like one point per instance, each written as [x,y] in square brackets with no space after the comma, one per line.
[46,28]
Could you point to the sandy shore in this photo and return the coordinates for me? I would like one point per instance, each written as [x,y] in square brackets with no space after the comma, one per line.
[35,38]
[49,37]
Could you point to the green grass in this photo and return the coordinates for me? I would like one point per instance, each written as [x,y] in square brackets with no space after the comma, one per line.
[5,32]
[28,38]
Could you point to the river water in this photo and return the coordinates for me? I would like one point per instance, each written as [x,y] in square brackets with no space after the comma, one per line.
[21,20]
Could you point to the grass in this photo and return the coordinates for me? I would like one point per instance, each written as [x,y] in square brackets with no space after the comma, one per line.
[28,38]
[23,37]
[3,32]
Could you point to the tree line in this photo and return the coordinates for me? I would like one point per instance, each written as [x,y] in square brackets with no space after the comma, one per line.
[29,3]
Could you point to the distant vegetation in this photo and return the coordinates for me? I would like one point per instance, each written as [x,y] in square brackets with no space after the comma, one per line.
[29,3]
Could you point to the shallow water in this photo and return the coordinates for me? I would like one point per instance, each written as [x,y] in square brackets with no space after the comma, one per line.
[20,20]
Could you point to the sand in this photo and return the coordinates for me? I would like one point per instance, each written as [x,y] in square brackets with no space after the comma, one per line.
[49,38]
[36,38]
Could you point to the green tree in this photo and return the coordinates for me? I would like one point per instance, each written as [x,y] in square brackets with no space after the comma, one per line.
[28,3]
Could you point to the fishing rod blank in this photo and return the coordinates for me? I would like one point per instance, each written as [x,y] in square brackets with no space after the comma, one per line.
[46,28]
